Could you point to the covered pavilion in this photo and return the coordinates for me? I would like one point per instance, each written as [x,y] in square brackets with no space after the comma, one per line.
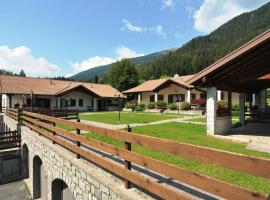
[246,71]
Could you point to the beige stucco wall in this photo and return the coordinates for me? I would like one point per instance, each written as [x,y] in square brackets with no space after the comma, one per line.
[173,89]
[235,97]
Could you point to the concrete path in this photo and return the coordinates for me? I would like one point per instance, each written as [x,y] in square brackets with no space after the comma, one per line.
[121,126]
[257,135]
[14,191]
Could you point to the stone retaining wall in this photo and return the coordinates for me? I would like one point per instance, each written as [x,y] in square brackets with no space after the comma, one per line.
[85,180]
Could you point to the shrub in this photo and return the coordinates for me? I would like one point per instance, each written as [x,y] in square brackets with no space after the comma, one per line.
[140,107]
[130,105]
[185,106]
[235,107]
[222,103]
[151,105]
[161,105]
[200,102]
[173,106]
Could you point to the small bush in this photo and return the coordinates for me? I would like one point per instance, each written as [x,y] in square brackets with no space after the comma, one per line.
[222,103]
[173,106]
[151,105]
[185,106]
[161,105]
[130,105]
[199,102]
[140,107]
[235,107]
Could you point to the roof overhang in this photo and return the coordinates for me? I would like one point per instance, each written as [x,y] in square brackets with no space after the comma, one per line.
[239,71]
[80,88]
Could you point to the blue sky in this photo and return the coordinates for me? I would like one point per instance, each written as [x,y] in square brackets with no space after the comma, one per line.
[54,37]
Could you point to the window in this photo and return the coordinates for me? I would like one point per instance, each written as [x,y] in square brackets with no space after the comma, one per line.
[160,98]
[222,95]
[80,102]
[72,103]
[202,95]
[170,98]
[193,96]
[182,97]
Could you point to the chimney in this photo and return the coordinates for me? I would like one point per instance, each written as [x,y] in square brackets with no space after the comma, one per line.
[176,75]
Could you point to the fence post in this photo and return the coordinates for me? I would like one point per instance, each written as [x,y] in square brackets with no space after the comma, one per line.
[19,125]
[54,124]
[127,163]
[78,131]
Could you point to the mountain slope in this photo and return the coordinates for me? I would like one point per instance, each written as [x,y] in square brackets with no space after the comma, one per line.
[199,52]
[202,51]
[101,70]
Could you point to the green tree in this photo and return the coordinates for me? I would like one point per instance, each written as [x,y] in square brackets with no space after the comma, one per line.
[22,73]
[123,75]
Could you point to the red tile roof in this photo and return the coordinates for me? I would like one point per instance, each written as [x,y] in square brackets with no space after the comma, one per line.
[151,85]
[42,86]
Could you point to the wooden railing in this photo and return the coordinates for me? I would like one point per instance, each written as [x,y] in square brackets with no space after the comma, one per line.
[9,139]
[64,113]
[45,125]
[12,112]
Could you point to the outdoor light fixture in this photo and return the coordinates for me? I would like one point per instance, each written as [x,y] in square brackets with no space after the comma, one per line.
[118,99]
[177,101]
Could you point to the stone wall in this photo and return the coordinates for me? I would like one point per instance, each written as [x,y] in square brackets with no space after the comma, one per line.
[85,180]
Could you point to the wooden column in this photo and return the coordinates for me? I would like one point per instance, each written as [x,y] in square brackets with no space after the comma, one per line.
[78,131]
[127,163]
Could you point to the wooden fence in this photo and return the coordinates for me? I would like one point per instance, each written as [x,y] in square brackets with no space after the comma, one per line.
[45,125]
[9,139]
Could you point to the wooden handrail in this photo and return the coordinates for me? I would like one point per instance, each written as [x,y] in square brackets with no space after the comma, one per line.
[249,164]
[201,181]
[149,184]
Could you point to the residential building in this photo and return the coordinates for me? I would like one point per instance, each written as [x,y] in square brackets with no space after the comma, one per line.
[41,93]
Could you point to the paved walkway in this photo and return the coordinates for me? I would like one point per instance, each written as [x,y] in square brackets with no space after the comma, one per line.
[14,191]
[257,135]
[121,126]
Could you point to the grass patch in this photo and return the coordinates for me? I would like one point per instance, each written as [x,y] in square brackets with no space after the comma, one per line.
[127,117]
[195,134]
[197,120]
[65,127]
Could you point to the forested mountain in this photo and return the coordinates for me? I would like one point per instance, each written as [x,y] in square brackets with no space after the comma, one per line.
[202,51]
[198,53]
[101,70]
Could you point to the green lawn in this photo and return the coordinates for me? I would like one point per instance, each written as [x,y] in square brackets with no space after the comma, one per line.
[197,120]
[127,117]
[65,127]
[195,134]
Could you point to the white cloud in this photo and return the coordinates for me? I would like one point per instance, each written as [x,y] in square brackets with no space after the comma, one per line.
[22,58]
[139,29]
[121,52]
[129,26]
[124,52]
[168,4]
[158,30]
[214,13]
[91,62]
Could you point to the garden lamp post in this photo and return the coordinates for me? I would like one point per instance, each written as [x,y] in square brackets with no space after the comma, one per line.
[177,101]
[118,99]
